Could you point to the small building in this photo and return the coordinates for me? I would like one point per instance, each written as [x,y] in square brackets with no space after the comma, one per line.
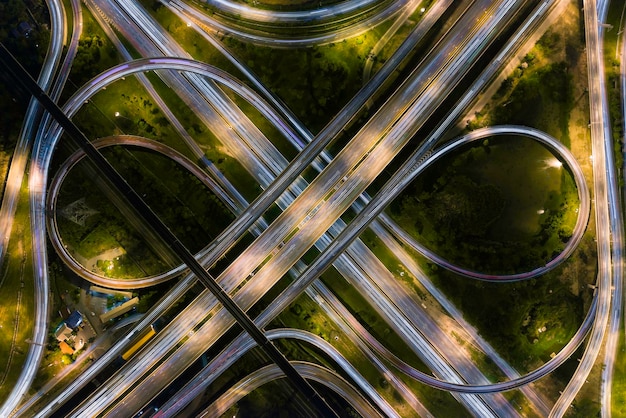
[106,292]
[24,28]
[75,320]
[119,310]
[63,332]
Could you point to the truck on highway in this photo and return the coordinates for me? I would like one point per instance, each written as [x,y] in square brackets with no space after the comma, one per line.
[139,343]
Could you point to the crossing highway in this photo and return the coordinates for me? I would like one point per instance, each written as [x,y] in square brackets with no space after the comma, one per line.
[311,371]
[33,129]
[616,323]
[541,372]
[311,212]
[332,23]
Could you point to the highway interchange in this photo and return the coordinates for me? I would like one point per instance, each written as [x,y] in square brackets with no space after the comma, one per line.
[311,213]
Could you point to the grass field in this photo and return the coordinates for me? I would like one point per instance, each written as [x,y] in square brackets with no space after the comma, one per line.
[618,394]
[498,207]
[17,308]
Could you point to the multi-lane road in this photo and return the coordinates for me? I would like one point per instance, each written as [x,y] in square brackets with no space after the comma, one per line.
[311,211]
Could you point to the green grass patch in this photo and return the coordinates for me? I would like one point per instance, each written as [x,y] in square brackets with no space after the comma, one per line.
[524,321]
[484,363]
[314,82]
[618,391]
[537,94]
[17,309]
[191,210]
[500,207]
[612,69]
[95,54]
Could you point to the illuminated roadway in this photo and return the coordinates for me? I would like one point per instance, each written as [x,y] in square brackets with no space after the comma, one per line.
[28,134]
[322,345]
[54,192]
[311,29]
[400,20]
[617,233]
[606,205]
[126,140]
[311,371]
[544,370]
[140,142]
[315,404]
[336,200]
[74,104]
[227,359]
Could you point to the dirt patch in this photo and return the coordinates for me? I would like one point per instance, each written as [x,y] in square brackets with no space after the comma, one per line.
[91,263]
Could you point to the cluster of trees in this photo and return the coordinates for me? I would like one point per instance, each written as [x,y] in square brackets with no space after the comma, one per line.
[456,210]
[193,213]
[93,51]
[313,82]
[540,97]
[24,31]
[510,315]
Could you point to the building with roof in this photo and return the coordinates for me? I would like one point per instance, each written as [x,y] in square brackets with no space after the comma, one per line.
[75,320]
[63,332]
[119,310]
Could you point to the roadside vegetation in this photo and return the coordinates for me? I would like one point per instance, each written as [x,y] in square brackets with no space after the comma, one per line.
[313,82]
[289,5]
[95,54]
[613,41]
[18,305]
[504,206]
[306,314]
[192,211]
[24,30]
